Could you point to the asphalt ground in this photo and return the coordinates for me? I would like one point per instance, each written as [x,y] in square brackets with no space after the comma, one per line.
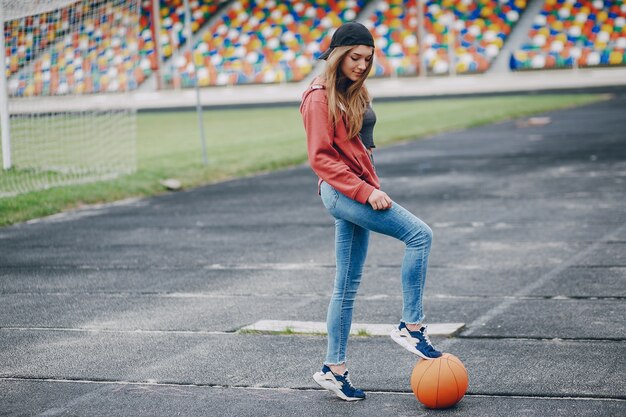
[133,309]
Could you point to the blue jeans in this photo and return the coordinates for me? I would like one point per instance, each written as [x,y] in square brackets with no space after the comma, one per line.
[353,222]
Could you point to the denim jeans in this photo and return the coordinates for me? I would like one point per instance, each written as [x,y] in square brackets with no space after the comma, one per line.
[353,222]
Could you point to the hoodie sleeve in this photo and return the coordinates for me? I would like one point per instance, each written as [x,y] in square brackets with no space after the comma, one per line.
[324,158]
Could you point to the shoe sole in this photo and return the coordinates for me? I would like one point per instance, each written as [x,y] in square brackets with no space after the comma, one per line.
[402,341]
[324,383]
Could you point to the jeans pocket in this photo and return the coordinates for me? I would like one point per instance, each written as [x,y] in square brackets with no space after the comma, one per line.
[329,196]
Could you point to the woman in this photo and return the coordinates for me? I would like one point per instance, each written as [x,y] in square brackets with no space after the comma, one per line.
[339,123]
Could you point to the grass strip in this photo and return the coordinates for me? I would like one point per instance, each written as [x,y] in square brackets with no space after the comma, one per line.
[242,142]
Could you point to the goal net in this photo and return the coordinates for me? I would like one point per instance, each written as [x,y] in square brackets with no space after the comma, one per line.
[69,66]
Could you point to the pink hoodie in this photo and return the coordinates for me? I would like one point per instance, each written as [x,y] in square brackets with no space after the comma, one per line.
[340,161]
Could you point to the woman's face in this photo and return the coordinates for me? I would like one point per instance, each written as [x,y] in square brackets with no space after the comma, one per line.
[356,61]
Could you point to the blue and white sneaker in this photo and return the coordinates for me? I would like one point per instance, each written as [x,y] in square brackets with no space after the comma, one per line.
[416,342]
[338,384]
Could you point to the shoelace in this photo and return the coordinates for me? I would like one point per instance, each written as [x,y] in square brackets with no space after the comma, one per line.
[426,338]
[346,378]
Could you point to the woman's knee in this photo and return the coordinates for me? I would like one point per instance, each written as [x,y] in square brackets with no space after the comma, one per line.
[422,235]
[429,232]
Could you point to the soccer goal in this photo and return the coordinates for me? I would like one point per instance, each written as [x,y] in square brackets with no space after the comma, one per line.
[64,95]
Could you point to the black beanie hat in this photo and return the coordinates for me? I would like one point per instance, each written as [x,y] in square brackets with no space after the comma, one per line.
[351,33]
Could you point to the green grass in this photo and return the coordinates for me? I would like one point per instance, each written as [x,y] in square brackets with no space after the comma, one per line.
[247,141]
[363,333]
[288,330]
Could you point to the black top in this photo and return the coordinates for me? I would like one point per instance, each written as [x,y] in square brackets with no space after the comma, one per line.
[367,130]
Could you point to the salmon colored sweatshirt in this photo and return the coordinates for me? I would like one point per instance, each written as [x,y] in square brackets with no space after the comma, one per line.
[340,161]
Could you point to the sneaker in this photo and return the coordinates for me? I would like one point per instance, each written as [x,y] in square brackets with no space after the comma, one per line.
[416,342]
[339,384]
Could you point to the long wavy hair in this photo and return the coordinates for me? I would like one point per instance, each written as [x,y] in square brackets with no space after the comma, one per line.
[345,97]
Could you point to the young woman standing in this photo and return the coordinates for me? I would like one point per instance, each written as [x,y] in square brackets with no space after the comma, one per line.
[339,123]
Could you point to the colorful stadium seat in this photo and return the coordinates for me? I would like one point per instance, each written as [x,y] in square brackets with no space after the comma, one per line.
[100,57]
[480,29]
[21,45]
[264,41]
[172,18]
[268,41]
[575,33]
[95,55]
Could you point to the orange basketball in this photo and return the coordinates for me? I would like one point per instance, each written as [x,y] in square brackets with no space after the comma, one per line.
[439,383]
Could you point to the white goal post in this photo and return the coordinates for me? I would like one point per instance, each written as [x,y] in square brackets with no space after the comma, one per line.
[68,68]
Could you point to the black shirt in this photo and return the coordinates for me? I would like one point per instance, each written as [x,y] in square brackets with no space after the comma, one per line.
[367,129]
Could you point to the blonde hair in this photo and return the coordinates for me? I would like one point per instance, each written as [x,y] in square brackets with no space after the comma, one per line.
[350,102]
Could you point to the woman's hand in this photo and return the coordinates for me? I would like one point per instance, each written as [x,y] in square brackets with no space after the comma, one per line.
[379,200]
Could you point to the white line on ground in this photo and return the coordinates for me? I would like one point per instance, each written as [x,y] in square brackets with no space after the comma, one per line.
[99,330]
[319,327]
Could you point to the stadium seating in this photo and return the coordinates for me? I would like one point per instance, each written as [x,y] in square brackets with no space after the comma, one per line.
[580,33]
[268,41]
[21,46]
[480,29]
[264,41]
[97,55]
[172,18]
